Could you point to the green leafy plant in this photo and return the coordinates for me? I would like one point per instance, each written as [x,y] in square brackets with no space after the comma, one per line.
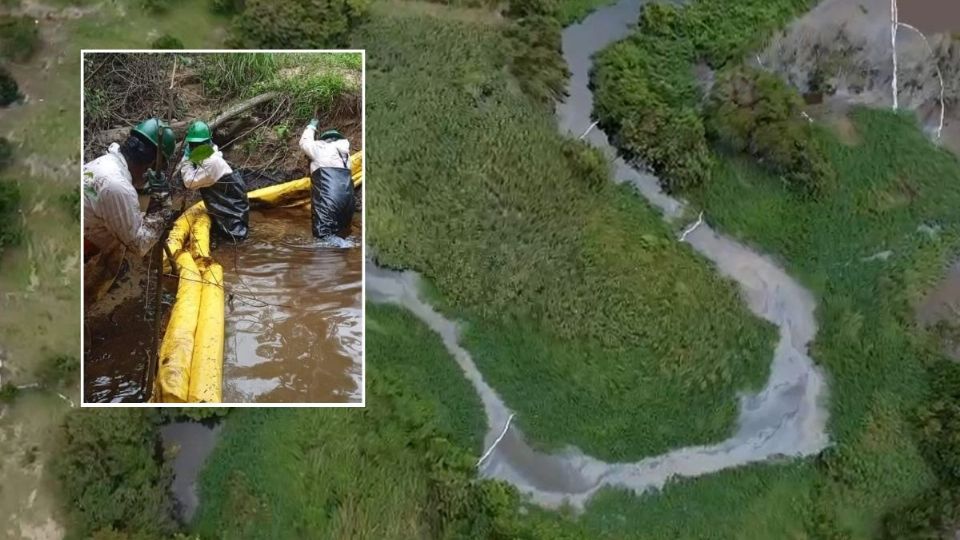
[200,153]
[279,23]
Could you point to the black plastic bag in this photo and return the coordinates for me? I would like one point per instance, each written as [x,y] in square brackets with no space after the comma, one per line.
[228,206]
[331,197]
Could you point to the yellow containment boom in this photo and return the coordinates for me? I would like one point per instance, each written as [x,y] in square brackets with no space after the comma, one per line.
[191,353]
[176,349]
[200,237]
[206,371]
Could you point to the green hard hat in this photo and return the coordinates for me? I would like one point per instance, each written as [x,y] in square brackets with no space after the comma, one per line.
[331,134]
[159,133]
[199,131]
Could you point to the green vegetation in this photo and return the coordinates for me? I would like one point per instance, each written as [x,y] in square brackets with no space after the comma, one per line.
[881,369]
[71,202]
[9,90]
[6,153]
[753,111]
[310,83]
[166,42]
[412,355]
[18,38]
[647,94]
[284,24]
[10,230]
[8,392]
[574,292]
[112,475]
[386,471]
[534,42]
[59,371]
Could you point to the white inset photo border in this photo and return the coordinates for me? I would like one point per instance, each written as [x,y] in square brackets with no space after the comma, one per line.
[129,382]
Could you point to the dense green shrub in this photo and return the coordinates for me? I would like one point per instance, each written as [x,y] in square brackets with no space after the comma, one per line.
[111,472]
[284,24]
[71,202]
[534,41]
[756,112]
[19,37]
[645,84]
[9,90]
[166,42]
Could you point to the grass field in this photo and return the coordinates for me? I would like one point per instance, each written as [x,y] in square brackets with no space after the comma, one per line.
[578,301]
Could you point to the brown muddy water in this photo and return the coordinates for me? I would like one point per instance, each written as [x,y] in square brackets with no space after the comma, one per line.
[930,16]
[294,321]
[294,324]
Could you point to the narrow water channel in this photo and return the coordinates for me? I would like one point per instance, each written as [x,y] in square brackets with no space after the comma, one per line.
[190,443]
[786,418]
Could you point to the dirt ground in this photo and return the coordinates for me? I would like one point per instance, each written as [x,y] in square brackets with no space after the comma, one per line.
[842,50]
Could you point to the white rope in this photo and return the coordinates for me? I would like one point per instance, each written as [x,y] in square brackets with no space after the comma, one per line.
[692,228]
[496,442]
[936,65]
[894,18]
[588,130]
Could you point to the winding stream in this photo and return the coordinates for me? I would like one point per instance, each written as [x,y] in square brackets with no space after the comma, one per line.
[786,418]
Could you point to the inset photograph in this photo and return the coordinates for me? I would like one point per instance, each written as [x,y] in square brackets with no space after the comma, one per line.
[223,227]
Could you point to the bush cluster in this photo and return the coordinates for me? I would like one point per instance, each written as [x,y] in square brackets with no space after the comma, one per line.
[756,112]
[19,38]
[646,91]
[112,476]
[309,24]
[534,43]
[9,90]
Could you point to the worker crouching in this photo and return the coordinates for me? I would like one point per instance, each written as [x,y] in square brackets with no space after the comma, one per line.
[221,189]
[331,183]
[113,224]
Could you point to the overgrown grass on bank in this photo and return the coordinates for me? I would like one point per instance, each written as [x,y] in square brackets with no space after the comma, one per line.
[891,185]
[397,469]
[582,309]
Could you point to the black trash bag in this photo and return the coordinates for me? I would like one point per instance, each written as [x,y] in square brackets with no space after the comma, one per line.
[331,200]
[228,206]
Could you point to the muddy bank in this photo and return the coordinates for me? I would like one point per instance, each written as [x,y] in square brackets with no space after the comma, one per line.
[941,311]
[786,418]
[294,328]
[844,51]
[189,444]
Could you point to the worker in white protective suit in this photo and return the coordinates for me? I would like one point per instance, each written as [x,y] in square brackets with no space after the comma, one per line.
[332,198]
[114,225]
[221,188]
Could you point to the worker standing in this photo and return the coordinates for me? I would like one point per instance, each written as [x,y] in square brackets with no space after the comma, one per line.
[222,190]
[332,187]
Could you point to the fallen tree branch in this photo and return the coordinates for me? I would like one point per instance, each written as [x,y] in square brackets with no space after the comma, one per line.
[180,127]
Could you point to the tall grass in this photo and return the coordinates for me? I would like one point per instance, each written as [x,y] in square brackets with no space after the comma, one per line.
[229,74]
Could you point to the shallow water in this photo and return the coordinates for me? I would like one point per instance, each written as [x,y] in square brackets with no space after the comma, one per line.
[294,327]
[786,418]
[293,330]
[191,443]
